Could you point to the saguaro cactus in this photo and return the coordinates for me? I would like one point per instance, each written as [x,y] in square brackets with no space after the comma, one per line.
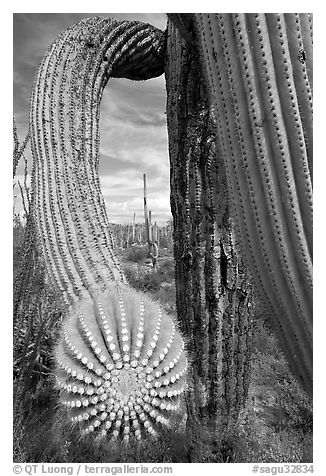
[258,73]
[214,299]
[258,70]
[116,346]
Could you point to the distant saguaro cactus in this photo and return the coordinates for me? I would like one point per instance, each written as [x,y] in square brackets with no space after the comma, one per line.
[258,71]
[118,352]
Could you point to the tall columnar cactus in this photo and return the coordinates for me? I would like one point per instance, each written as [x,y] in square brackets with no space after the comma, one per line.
[214,299]
[119,352]
[258,70]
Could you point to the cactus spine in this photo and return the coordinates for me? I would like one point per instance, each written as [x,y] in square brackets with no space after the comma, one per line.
[99,352]
[258,70]
[213,291]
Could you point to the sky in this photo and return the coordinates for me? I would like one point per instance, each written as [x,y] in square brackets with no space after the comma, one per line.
[133,120]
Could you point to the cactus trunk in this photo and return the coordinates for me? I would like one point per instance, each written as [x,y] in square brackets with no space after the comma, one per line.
[213,290]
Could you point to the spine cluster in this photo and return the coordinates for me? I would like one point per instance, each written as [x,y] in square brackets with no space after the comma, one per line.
[121,365]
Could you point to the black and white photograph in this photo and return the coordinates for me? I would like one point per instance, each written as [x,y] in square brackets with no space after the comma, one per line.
[162,241]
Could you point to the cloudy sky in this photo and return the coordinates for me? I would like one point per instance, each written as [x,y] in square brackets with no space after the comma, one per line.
[133,120]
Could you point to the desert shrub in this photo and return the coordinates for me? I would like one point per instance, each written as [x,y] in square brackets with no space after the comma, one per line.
[36,324]
[167,297]
[171,446]
[142,278]
[159,282]
[136,253]
[257,442]
[166,270]
[18,241]
[39,441]
[285,404]
[146,278]
[277,423]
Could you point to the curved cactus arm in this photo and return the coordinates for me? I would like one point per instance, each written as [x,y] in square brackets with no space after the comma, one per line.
[259,81]
[121,360]
[64,121]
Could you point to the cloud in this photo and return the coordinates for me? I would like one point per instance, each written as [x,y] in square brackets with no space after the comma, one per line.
[140,103]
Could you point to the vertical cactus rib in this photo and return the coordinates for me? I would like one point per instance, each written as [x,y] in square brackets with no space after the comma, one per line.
[260,85]
[53,173]
[293,141]
[40,204]
[287,215]
[270,185]
[90,211]
[81,165]
[238,194]
[300,52]
[306,31]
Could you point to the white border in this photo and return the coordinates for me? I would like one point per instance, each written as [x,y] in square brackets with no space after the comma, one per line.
[320,202]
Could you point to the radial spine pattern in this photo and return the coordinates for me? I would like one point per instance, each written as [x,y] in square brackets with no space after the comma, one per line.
[121,365]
